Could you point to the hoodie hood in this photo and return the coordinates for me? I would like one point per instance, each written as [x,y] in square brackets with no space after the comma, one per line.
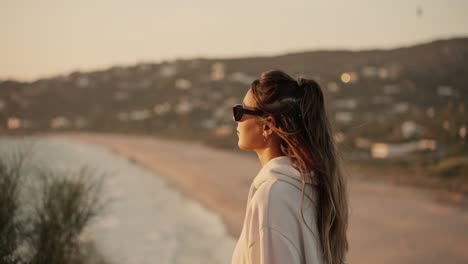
[280,168]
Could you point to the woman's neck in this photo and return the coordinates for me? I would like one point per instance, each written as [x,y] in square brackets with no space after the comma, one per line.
[267,154]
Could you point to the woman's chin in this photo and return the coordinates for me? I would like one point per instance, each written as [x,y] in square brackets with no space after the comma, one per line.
[243,146]
[240,145]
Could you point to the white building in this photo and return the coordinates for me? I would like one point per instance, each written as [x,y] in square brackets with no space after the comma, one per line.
[162,109]
[183,107]
[401,108]
[217,71]
[168,70]
[410,129]
[139,115]
[60,122]
[183,84]
[83,82]
[387,150]
[462,131]
[362,143]
[369,71]
[13,123]
[445,90]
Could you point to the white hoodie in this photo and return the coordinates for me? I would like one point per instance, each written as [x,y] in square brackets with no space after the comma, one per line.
[273,230]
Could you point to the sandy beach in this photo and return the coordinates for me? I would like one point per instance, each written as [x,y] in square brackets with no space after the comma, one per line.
[388,223]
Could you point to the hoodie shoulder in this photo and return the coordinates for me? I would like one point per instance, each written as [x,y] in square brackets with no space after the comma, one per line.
[275,203]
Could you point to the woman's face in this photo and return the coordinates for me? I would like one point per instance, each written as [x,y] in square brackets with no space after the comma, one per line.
[249,128]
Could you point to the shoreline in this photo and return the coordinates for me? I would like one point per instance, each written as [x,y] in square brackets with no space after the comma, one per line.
[142,218]
[385,217]
[191,171]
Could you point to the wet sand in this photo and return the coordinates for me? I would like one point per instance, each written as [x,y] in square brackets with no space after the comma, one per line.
[388,223]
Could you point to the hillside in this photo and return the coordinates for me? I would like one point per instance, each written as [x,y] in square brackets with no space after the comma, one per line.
[404,106]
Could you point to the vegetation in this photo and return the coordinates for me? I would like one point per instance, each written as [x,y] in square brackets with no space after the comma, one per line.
[43,212]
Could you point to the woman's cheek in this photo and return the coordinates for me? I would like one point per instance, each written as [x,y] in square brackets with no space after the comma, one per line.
[243,141]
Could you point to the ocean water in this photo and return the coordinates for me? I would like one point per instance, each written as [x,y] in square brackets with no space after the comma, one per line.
[146,220]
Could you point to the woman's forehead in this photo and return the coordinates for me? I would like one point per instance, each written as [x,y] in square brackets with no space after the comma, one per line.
[248,99]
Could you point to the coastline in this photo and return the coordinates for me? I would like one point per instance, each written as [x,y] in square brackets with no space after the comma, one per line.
[210,176]
[388,222]
[143,218]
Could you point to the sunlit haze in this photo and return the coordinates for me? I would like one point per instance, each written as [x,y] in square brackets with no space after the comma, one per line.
[49,37]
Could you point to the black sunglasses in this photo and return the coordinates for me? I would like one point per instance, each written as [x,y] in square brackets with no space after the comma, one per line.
[238,111]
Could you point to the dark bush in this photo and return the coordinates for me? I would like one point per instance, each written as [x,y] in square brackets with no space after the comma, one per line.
[45,227]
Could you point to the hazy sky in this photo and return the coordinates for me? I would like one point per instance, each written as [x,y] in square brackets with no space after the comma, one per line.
[41,38]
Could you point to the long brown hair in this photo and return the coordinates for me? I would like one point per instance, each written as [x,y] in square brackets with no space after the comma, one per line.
[298,107]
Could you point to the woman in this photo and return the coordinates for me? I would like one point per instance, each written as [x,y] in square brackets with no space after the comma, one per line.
[297,208]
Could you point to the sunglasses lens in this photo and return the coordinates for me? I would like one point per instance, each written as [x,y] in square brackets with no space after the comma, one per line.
[237,112]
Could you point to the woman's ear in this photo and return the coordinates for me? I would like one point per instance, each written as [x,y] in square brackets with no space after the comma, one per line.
[266,128]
